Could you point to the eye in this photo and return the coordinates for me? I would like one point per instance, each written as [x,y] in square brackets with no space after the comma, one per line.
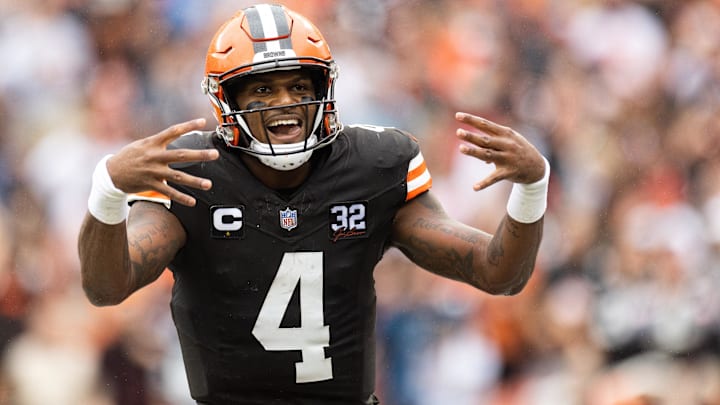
[262,90]
[300,87]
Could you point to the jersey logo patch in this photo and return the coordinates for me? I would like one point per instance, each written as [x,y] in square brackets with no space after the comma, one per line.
[348,220]
[227,221]
[288,219]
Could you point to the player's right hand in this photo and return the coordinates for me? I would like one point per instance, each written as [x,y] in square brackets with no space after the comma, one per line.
[144,165]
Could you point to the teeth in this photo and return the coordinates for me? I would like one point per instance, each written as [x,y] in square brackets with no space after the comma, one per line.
[283,122]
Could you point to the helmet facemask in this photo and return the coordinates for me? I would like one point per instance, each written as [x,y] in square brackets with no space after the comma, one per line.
[318,115]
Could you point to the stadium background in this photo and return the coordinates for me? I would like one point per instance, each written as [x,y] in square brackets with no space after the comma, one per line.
[622,96]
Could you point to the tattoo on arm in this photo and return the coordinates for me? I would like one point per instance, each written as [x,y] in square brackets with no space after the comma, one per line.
[500,263]
[445,262]
[456,263]
[495,249]
[424,224]
[154,244]
[431,204]
[529,252]
[512,227]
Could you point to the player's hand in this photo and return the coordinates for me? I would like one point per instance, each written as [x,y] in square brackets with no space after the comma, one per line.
[515,158]
[144,165]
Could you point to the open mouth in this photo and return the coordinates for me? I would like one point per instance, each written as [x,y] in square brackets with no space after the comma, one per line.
[286,130]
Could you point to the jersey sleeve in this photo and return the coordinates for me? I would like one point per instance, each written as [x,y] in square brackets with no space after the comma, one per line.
[393,147]
[418,177]
[151,196]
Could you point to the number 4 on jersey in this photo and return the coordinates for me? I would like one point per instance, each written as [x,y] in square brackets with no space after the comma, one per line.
[312,336]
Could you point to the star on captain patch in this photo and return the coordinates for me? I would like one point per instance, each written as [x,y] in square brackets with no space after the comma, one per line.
[288,219]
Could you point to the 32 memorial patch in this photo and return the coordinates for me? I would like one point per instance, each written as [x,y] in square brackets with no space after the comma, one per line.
[348,220]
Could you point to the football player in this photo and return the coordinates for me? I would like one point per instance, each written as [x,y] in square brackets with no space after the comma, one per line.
[273,223]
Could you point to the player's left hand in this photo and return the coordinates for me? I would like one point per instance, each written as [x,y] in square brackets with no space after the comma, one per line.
[514,157]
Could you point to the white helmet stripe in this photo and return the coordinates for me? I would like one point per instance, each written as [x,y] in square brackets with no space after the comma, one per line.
[268,21]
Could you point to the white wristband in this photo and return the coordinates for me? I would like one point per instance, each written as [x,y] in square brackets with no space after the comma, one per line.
[527,202]
[107,203]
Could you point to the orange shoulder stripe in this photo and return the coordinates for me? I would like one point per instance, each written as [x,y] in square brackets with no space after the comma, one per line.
[418,178]
[151,195]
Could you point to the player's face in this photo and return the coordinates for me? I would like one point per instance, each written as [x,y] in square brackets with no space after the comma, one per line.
[282,125]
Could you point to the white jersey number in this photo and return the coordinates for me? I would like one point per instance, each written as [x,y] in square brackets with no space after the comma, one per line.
[312,336]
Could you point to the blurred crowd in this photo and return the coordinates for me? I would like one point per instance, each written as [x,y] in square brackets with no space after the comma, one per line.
[622,96]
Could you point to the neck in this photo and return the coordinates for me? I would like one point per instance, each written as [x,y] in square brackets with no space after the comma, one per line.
[277,179]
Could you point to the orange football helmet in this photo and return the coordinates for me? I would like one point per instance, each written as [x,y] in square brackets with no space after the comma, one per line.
[260,39]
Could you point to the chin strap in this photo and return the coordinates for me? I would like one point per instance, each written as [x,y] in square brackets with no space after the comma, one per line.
[284,157]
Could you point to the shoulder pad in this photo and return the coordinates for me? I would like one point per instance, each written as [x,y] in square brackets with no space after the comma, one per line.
[194,140]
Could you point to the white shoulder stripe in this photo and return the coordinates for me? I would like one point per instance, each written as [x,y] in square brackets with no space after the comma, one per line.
[418,182]
[416,162]
[136,197]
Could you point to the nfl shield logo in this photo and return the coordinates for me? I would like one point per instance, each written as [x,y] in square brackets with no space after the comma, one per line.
[288,218]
